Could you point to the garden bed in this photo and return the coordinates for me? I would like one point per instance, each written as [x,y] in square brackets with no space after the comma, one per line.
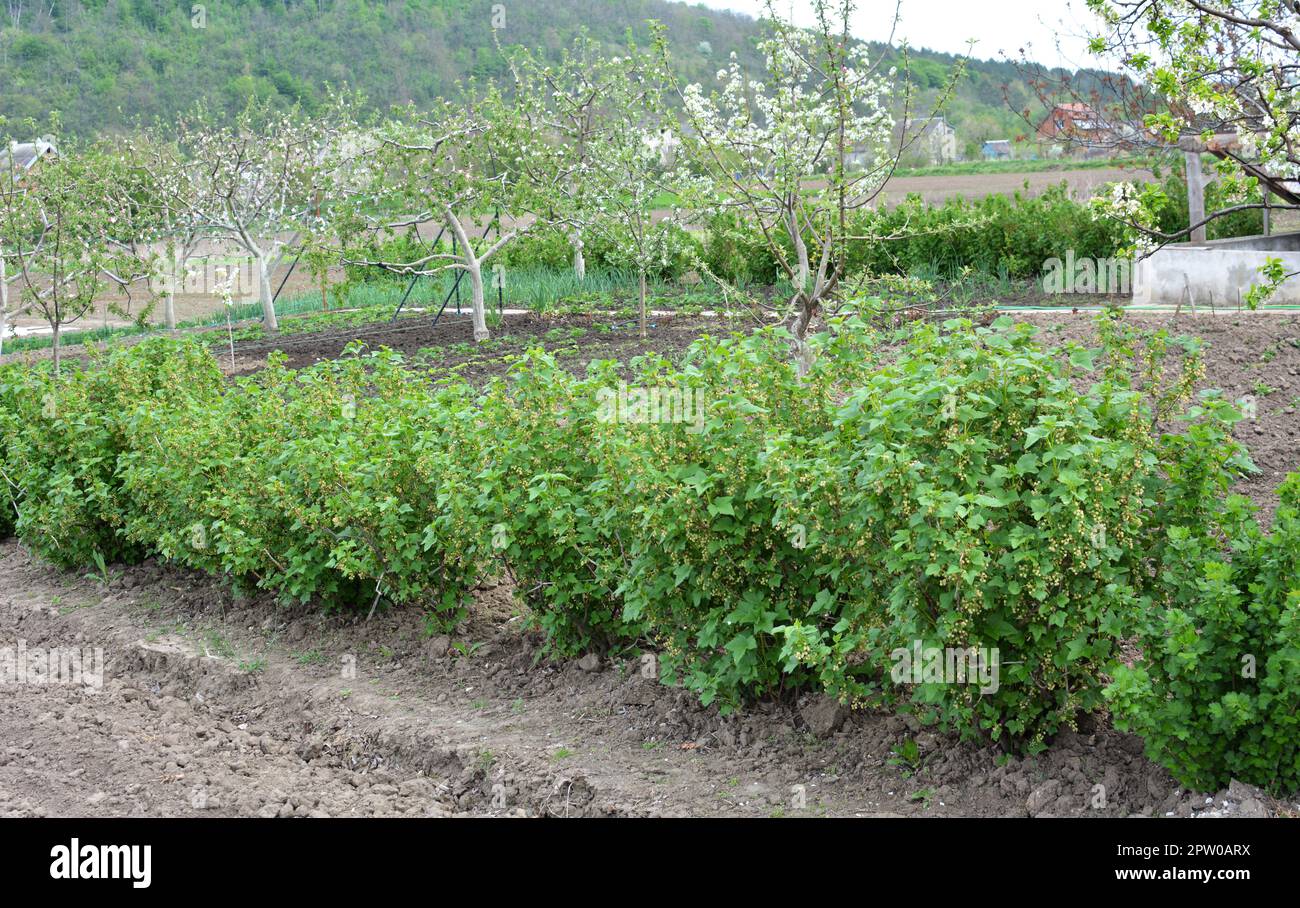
[449,345]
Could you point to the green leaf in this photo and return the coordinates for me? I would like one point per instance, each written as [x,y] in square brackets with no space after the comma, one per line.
[722,505]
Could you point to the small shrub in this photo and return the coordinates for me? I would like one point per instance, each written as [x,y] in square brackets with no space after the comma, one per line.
[1215,688]
[547,497]
[10,380]
[973,499]
[544,248]
[713,573]
[67,433]
[739,253]
[332,483]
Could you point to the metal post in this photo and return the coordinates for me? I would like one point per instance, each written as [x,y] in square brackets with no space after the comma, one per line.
[286,276]
[455,289]
[501,293]
[416,279]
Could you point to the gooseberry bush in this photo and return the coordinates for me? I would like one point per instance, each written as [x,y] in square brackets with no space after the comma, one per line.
[948,488]
[983,494]
[64,436]
[712,571]
[8,430]
[340,483]
[1215,691]
[547,496]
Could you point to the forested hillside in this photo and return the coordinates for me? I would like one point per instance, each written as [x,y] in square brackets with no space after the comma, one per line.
[104,63]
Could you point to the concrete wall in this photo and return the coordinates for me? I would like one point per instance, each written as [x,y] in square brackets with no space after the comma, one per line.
[1215,273]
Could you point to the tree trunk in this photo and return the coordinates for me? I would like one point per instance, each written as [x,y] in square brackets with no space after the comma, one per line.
[803,351]
[800,249]
[645,328]
[179,274]
[475,267]
[579,260]
[271,323]
[803,356]
[58,333]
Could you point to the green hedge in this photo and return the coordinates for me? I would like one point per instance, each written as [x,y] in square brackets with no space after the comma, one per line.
[63,442]
[340,482]
[996,235]
[553,248]
[954,488]
[999,235]
[10,381]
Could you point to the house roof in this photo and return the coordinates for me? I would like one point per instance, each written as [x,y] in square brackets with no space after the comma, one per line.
[23,155]
[928,124]
[1079,121]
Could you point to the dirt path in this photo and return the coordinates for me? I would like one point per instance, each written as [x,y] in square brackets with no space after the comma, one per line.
[236,707]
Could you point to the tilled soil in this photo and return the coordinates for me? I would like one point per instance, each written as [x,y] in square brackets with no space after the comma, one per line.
[233,707]
[1083,183]
[449,344]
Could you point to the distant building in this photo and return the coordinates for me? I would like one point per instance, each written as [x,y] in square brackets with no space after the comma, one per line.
[996,150]
[1076,129]
[934,139]
[23,156]
[859,157]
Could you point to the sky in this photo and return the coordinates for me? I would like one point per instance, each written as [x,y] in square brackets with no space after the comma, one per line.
[1052,32]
